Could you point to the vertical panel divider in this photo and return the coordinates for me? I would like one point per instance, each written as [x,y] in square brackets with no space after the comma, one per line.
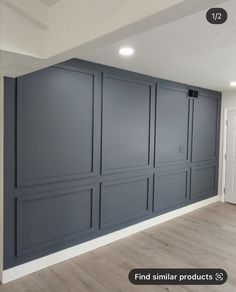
[101,122]
[190,143]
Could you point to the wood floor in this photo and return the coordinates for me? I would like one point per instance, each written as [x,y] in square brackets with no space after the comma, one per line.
[205,238]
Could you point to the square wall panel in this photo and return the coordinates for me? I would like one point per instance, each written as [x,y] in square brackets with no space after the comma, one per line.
[203,181]
[171,188]
[124,200]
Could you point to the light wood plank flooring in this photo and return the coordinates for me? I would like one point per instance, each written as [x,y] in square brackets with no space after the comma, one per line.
[205,238]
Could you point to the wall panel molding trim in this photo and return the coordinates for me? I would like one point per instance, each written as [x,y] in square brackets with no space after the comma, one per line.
[127,136]
[1,170]
[57,159]
[52,259]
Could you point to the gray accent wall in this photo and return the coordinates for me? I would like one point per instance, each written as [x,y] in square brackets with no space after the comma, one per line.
[90,149]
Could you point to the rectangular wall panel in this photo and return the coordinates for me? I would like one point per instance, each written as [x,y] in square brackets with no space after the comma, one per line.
[126,124]
[124,200]
[205,127]
[47,219]
[172,129]
[171,188]
[55,126]
[203,181]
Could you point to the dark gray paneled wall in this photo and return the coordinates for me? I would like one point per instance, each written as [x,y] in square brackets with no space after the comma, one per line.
[90,149]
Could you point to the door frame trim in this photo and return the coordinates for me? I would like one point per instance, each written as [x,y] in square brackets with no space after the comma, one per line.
[224,150]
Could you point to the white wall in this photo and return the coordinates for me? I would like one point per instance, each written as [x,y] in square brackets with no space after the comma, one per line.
[228,101]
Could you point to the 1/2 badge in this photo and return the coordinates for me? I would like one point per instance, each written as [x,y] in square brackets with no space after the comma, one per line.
[217,15]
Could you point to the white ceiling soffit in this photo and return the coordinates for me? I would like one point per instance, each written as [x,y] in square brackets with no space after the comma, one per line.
[33,11]
[77,22]
[50,2]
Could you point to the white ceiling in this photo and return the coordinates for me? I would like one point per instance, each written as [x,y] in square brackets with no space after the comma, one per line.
[171,38]
[189,50]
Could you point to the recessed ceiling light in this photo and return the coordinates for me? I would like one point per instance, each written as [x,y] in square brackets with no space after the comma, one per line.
[233,83]
[126,51]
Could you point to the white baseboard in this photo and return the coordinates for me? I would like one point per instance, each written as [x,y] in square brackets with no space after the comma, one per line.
[221,197]
[52,259]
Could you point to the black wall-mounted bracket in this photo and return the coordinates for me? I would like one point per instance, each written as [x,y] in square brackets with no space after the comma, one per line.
[192,93]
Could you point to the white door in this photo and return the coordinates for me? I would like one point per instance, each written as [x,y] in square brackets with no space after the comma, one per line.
[230,179]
